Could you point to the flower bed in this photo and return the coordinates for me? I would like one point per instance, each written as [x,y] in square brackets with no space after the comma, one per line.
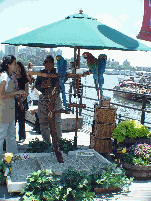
[137,161]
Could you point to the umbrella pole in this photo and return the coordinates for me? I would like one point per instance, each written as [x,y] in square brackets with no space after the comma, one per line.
[76,126]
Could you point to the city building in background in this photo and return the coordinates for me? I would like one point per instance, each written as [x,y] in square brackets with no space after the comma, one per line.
[11,50]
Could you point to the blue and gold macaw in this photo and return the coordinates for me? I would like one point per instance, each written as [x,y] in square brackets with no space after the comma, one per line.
[62,69]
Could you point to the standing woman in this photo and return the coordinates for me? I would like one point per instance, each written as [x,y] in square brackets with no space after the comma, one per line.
[20,108]
[8,92]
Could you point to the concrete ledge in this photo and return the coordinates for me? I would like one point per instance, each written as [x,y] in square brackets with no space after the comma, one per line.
[13,187]
[68,120]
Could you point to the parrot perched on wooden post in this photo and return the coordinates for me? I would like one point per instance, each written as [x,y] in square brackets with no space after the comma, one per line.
[62,69]
[97,66]
[92,63]
[101,69]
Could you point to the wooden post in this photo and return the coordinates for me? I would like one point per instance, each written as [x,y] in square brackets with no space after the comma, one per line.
[119,118]
[143,107]
[70,92]
[80,110]
[75,59]
[76,126]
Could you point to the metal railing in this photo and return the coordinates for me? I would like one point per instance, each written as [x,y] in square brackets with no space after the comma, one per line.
[119,117]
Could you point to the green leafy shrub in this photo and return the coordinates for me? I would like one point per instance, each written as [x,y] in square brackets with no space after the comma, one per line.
[72,185]
[36,146]
[2,170]
[110,178]
[113,179]
[66,145]
[76,186]
[130,128]
[41,185]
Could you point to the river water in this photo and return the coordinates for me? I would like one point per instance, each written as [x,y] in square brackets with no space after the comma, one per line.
[109,82]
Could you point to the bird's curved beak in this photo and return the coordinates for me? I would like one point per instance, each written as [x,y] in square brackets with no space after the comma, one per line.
[58,58]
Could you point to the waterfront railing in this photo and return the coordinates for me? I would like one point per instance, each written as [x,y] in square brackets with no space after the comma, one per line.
[88,118]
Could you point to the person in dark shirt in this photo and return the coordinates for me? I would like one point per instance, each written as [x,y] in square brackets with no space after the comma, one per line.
[48,101]
[46,86]
[21,106]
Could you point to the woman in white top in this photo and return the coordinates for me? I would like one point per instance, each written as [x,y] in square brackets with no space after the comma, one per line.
[8,92]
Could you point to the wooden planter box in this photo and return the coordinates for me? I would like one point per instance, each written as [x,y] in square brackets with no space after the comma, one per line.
[139,172]
[128,142]
[106,190]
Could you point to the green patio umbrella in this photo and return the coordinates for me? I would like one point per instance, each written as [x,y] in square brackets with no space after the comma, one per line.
[78,30]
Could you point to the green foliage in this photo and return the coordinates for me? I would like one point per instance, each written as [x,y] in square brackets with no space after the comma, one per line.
[2,170]
[2,177]
[41,185]
[110,178]
[72,185]
[138,154]
[66,145]
[36,146]
[113,179]
[130,128]
[75,186]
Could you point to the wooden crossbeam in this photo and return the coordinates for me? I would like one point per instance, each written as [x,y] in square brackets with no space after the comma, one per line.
[76,105]
[62,111]
[68,75]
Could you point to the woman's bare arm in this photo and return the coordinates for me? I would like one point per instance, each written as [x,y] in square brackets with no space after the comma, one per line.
[6,95]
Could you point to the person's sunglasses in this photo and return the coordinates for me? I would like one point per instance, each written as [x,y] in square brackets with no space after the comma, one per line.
[47,62]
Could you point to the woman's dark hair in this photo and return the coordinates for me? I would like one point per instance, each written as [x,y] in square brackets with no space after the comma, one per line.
[6,60]
[23,69]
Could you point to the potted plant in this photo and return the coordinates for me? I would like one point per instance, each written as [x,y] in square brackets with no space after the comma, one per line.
[137,161]
[130,129]
[110,180]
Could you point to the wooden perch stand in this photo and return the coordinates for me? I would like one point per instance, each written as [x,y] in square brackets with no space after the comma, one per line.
[68,75]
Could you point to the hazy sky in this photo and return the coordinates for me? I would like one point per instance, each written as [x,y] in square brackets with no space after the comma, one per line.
[20,16]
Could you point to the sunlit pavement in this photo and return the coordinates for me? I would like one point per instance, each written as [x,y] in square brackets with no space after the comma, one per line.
[138,190]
